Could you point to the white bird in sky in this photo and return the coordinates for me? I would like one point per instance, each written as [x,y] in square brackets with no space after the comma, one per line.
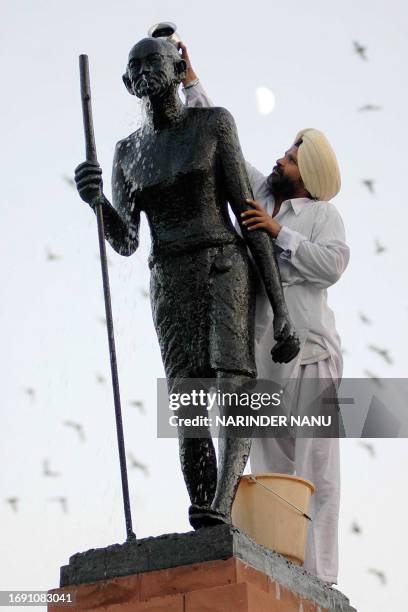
[369,183]
[380,575]
[52,256]
[369,107]
[368,447]
[78,428]
[47,471]
[138,404]
[364,318]
[373,376]
[379,248]
[69,180]
[31,393]
[265,100]
[134,463]
[360,50]
[382,352]
[12,501]
[355,528]
[62,501]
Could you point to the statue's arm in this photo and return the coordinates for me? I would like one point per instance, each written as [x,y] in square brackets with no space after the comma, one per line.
[121,221]
[238,190]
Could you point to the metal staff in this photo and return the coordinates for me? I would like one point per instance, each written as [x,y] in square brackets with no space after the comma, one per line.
[91,156]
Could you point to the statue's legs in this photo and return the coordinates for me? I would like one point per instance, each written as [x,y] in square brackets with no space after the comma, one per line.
[197,454]
[233,453]
[204,313]
[199,466]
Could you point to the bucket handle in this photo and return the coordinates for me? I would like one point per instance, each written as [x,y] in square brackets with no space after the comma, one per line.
[253,479]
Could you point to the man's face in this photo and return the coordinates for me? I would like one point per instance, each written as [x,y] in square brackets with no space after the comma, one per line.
[150,69]
[285,180]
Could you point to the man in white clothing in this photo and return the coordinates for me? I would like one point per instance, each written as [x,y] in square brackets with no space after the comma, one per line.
[292,205]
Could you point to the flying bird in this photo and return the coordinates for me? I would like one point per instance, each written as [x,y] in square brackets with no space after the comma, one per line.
[78,428]
[355,528]
[138,404]
[62,501]
[47,470]
[369,107]
[360,50]
[379,248]
[52,256]
[31,393]
[368,447]
[13,502]
[100,379]
[384,353]
[380,575]
[373,376]
[364,318]
[369,183]
[69,180]
[134,463]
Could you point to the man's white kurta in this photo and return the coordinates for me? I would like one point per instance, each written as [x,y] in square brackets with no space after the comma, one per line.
[312,255]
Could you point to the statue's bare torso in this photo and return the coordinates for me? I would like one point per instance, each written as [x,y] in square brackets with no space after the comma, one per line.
[175,177]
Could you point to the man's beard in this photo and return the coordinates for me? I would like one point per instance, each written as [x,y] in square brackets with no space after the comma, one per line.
[281,186]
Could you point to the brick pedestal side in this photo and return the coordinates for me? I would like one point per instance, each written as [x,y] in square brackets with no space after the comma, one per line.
[214,569]
[213,586]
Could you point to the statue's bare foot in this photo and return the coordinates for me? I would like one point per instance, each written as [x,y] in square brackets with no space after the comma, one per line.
[201,516]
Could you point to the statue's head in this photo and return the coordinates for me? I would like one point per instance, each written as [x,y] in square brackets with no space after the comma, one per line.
[154,66]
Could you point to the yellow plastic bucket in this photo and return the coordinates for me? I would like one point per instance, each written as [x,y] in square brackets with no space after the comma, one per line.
[274,519]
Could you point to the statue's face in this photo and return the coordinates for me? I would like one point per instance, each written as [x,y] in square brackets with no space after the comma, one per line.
[151,68]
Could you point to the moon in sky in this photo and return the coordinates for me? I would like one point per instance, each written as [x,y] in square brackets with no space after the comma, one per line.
[265,100]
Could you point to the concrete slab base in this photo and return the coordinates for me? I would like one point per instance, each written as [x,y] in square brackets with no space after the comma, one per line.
[183,565]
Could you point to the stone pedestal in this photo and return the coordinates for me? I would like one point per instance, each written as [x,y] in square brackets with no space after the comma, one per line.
[214,569]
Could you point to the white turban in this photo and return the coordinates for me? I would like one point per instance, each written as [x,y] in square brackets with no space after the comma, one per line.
[318,165]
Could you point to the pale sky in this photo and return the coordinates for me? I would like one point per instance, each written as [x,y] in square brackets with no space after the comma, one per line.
[53,340]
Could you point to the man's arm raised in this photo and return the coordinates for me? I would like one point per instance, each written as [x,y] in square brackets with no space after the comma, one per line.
[194,92]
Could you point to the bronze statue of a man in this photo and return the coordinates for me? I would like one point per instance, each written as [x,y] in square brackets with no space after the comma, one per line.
[182,170]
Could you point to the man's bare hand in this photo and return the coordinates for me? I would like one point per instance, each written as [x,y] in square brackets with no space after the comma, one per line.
[88,179]
[190,74]
[258,218]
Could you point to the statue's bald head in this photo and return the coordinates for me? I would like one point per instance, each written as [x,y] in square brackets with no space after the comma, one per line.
[154,65]
[154,45]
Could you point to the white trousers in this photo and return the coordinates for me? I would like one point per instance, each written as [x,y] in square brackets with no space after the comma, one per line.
[318,460]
